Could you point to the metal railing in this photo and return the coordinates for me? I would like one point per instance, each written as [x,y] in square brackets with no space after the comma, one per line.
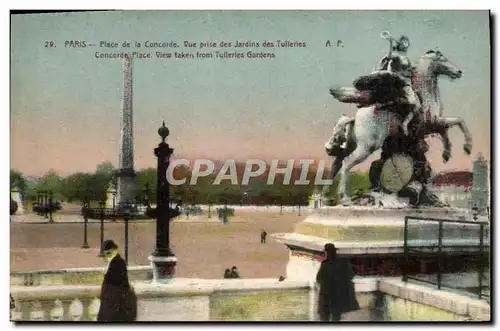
[453,254]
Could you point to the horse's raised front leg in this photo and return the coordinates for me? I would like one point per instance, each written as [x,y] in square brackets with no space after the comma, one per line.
[359,155]
[449,122]
[445,139]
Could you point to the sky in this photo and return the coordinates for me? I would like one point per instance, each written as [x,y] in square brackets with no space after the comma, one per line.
[65,103]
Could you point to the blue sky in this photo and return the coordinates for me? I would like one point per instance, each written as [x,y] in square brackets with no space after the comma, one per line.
[69,101]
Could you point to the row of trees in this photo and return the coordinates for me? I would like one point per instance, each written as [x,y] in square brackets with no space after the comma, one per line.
[75,187]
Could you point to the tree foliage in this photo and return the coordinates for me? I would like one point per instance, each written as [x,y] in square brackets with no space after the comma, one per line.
[77,186]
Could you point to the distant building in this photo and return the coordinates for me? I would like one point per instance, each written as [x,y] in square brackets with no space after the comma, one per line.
[317,199]
[480,185]
[453,188]
[465,189]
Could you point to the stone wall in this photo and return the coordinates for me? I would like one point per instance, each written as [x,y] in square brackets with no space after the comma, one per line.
[290,305]
[185,300]
[248,300]
[400,301]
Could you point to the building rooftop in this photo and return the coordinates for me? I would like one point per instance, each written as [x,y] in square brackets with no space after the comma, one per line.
[453,178]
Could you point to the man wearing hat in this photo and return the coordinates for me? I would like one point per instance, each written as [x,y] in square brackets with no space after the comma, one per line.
[118,300]
[336,289]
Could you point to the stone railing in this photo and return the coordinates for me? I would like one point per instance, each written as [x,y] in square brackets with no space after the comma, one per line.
[56,303]
[247,300]
[185,300]
[73,276]
[401,301]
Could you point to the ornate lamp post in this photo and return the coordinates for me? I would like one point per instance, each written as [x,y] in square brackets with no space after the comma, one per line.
[113,192]
[209,207]
[126,218]
[50,203]
[36,203]
[224,212]
[146,195]
[162,258]
[44,202]
[85,223]
[297,196]
[102,204]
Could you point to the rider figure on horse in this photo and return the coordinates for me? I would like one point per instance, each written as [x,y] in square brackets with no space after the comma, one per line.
[388,86]
[398,62]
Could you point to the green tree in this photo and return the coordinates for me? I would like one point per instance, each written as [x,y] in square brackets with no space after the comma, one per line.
[147,176]
[18,180]
[76,186]
[51,181]
[107,168]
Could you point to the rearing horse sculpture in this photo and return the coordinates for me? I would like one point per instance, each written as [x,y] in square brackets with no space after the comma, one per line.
[371,126]
[425,83]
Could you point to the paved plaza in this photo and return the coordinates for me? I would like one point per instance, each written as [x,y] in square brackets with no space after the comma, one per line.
[204,247]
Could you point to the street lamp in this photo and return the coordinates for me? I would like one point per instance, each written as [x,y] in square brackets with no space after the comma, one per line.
[162,258]
[126,218]
[44,202]
[85,222]
[209,200]
[113,192]
[146,194]
[102,204]
[51,195]
[298,201]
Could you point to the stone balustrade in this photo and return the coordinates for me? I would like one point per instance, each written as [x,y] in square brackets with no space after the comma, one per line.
[247,300]
[73,276]
[184,300]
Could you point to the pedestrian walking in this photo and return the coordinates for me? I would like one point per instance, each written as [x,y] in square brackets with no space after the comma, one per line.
[336,289]
[263,236]
[118,299]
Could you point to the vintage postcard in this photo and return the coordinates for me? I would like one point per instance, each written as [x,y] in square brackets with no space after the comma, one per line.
[328,166]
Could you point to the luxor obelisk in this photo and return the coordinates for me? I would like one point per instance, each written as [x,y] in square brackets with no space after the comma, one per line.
[126,187]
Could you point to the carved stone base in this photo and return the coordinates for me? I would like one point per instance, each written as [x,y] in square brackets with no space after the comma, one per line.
[394,264]
[163,268]
[373,238]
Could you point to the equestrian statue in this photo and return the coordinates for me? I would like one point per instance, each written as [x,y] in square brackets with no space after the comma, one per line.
[399,105]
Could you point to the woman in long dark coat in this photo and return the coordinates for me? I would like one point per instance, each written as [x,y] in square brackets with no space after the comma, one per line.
[118,299]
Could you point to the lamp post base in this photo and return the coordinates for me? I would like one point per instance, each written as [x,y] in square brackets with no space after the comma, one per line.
[85,246]
[163,268]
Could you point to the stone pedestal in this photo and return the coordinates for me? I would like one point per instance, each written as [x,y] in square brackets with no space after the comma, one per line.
[126,187]
[373,239]
[163,268]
